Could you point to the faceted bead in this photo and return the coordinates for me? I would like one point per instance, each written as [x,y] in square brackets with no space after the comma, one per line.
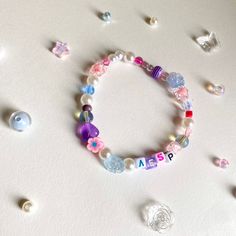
[87,131]
[181,94]
[86,99]
[156,72]
[218,90]
[140,163]
[129,164]
[61,49]
[182,140]
[88,89]
[19,120]
[87,107]
[189,114]
[175,80]
[173,147]
[86,116]
[222,163]
[151,162]
[138,61]
[114,164]
[106,16]
[98,69]
[169,156]
[208,41]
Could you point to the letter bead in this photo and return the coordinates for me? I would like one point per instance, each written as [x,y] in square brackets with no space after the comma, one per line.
[140,163]
[169,156]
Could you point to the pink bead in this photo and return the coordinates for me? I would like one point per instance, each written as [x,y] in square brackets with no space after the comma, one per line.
[173,147]
[138,60]
[188,131]
[181,94]
[98,69]
[106,61]
[61,49]
[222,163]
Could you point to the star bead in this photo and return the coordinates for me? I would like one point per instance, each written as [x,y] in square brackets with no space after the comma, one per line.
[222,163]
[61,49]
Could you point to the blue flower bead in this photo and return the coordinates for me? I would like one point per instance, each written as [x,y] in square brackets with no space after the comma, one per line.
[175,80]
[19,120]
[114,164]
[88,89]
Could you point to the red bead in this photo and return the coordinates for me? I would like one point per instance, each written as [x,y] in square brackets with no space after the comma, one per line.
[188,114]
[138,60]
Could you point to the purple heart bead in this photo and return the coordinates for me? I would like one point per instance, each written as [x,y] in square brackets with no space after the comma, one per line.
[86,131]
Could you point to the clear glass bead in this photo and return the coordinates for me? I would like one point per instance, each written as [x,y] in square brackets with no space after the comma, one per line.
[208,42]
[19,120]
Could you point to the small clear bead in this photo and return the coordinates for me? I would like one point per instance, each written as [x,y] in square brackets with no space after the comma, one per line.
[129,164]
[113,58]
[26,205]
[106,16]
[104,153]
[92,80]
[153,21]
[86,99]
[19,120]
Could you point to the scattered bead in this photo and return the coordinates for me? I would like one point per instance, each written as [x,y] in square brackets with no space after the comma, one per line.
[114,164]
[182,140]
[189,114]
[153,21]
[61,49]
[92,80]
[26,205]
[129,164]
[104,153]
[216,89]
[151,162]
[88,89]
[138,61]
[186,105]
[86,99]
[158,216]
[98,69]
[95,144]
[140,163]
[175,80]
[208,42]
[222,163]
[129,57]
[87,107]
[19,120]
[106,16]
[156,72]
[86,116]
[86,131]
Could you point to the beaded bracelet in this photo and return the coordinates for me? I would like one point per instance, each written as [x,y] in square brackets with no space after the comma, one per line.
[89,134]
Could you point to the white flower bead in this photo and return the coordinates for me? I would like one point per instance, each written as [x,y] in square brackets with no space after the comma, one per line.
[86,99]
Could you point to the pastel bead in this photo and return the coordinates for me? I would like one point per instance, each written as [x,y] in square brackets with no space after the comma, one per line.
[86,99]
[92,80]
[104,153]
[114,164]
[175,80]
[156,72]
[173,147]
[86,131]
[187,122]
[86,116]
[129,57]
[181,94]
[98,69]
[140,163]
[151,162]
[88,89]
[19,120]
[186,105]
[129,164]
[87,107]
[182,140]
[169,156]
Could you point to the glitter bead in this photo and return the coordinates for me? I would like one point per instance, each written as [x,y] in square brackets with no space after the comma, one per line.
[88,89]
[222,163]
[114,164]
[86,116]
[138,61]
[153,21]
[87,107]
[182,140]
[175,80]
[156,72]
[19,120]
[106,16]
[129,164]
[86,131]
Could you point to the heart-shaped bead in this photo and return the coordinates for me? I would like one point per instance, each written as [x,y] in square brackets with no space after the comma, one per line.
[86,131]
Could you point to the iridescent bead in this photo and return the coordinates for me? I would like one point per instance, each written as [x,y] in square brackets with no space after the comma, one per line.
[19,120]
[106,16]
[89,89]
[182,140]
[129,57]
[156,72]
[104,153]
[175,80]
[86,99]
[86,131]
[114,164]
[86,116]
[129,164]
[92,80]
[187,122]
[181,94]
[218,90]
[138,61]
[87,107]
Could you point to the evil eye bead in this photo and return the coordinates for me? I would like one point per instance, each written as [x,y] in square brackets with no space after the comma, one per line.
[19,120]
[175,80]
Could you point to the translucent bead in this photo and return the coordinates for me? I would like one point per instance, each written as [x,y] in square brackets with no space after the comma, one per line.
[129,57]
[181,94]
[129,164]
[98,69]
[86,116]
[153,21]
[93,80]
[189,114]
[19,120]
[186,105]
[86,99]
[182,140]
[114,164]
[222,163]
[188,122]
[89,89]
[113,58]
[173,147]
[119,54]
[175,80]
[104,153]
[156,72]
[208,41]
[217,89]
[86,131]
[106,16]
[138,61]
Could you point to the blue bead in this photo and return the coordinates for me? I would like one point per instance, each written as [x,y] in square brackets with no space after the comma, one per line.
[182,140]
[114,164]
[187,105]
[86,116]
[106,16]
[88,89]
[175,80]
[19,120]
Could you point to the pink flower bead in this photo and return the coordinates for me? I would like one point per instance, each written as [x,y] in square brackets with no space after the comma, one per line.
[98,69]
[106,61]
[181,94]
[95,144]
[138,61]
[222,163]
[173,147]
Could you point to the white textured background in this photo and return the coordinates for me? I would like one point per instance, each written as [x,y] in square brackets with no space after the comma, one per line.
[74,194]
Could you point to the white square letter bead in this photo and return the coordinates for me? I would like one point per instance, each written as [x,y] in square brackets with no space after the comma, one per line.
[161,159]
[140,163]
[169,156]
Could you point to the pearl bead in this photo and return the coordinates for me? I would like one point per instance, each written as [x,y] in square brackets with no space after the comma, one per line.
[19,120]
[129,164]
[153,21]
[92,80]
[86,99]
[26,205]
[119,54]
[188,123]
[113,58]
[104,153]
[129,57]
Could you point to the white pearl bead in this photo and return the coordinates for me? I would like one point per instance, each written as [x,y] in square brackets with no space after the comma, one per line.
[104,153]
[92,80]
[26,205]
[188,123]
[86,99]
[113,58]
[119,54]
[153,21]
[129,57]
[129,164]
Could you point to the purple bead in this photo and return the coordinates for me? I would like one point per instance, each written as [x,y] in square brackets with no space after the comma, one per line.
[87,107]
[86,131]
[151,162]
[156,72]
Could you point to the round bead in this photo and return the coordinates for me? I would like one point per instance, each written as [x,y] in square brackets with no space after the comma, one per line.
[113,58]
[119,54]
[188,122]
[92,80]
[87,107]
[26,205]
[156,72]
[19,120]
[129,57]
[218,90]
[129,164]
[114,164]
[104,153]
[138,61]
[182,140]
[106,16]
[175,80]
[86,99]
[153,21]
[86,116]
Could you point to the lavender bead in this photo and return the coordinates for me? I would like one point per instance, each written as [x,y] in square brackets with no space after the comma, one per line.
[156,72]
[175,80]
[151,162]
[86,131]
